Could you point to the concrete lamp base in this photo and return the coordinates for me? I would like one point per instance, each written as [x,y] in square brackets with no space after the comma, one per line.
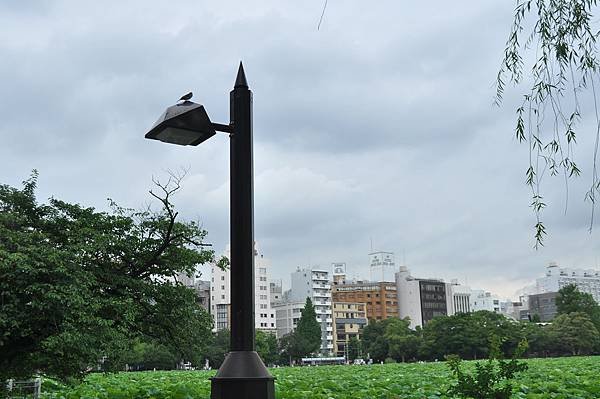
[243,375]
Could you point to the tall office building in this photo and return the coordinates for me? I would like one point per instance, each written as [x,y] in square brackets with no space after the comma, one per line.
[314,283]
[422,299]
[220,297]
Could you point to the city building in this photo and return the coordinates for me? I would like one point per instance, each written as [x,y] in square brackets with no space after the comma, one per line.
[220,295]
[339,273]
[276,292]
[461,298]
[202,289]
[382,266]
[380,298]
[287,315]
[511,309]
[484,300]
[586,280]
[422,299]
[348,321]
[314,283]
[542,305]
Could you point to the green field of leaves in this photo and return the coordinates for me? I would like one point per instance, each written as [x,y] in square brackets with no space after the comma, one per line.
[577,377]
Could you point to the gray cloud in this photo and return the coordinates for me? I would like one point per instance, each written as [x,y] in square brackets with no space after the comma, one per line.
[376,128]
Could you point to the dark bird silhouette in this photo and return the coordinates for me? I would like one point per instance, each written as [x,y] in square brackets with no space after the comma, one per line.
[186,96]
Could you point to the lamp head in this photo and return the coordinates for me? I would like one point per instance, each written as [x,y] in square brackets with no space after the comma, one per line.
[186,123]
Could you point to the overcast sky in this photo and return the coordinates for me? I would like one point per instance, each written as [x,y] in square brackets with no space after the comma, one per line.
[377,128]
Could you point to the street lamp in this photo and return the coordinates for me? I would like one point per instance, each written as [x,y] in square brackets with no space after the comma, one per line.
[243,374]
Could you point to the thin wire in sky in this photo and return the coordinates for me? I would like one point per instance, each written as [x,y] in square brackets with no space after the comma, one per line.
[322,13]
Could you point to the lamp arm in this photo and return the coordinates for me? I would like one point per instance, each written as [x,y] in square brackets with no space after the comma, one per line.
[222,128]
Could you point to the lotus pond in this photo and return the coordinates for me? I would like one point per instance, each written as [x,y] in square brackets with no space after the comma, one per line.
[576,377]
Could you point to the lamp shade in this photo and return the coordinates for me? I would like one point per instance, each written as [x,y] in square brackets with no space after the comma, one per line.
[186,123]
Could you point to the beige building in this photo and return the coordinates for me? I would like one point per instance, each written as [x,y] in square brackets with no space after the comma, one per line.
[380,297]
[348,321]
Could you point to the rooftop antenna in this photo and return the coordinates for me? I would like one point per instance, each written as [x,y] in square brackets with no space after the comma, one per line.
[371,238]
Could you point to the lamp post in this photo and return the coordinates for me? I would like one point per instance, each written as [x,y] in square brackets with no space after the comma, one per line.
[243,374]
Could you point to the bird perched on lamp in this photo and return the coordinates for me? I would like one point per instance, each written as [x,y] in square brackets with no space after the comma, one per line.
[186,97]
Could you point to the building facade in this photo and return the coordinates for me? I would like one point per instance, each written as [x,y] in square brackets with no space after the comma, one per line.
[380,298]
[422,299]
[542,305]
[586,280]
[287,315]
[220,295]
[202,290]
[314,283]
[484,300]
[349,319]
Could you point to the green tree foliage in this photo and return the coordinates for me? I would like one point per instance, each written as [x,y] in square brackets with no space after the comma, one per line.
[354,348]
[218,347]
[467,335]
[561,36]
[288,349]
[570,300]
[574,333]
[373,341]
[491,379]
[390,339]
[267,347]
[78,285]
[308,331]
[148,356]
[403,343]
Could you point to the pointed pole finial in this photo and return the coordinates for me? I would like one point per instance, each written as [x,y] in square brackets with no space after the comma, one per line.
[240,80]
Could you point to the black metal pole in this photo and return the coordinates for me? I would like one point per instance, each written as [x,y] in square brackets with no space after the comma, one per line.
[241,217]
[243,374]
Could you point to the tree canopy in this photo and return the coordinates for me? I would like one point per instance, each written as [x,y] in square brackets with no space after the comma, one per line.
[552,46]
[308,330]
[571,300]
[78,286]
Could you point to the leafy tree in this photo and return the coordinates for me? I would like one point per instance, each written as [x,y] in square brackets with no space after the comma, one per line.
[308,331]
[288,349]
[374,343]
[354,348]
[402,341]
[467,335]
[570,300]
[266,346]
[561,35]
[574,333]
[218,347]
[148,356]
[78,285]
[490,379]
[537,337]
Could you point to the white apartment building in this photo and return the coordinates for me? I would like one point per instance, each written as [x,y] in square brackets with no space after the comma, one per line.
[586,280]
[422,299]
[484,300]
[264,316]
[314,283]
[461,298]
